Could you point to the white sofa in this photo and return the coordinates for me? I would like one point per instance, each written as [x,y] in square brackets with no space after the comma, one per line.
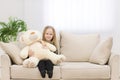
[88,58]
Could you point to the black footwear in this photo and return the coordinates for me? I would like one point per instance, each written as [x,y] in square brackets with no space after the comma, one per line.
[43,74]
[50,74]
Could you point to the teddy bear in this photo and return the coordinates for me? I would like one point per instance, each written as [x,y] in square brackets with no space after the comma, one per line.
[33,41]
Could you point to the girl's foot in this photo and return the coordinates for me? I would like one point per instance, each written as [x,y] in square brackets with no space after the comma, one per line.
[43,74]
[50,74]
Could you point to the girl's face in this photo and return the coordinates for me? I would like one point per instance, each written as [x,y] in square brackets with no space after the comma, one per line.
[49,34]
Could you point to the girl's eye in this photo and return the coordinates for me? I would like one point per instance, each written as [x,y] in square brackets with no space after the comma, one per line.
[47,33]
[50,34]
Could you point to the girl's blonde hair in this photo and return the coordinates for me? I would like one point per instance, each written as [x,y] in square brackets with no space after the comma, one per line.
[54,40]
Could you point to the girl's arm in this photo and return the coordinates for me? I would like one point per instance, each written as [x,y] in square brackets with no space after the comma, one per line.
[50,46]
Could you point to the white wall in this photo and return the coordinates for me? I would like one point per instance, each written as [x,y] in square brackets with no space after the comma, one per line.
[9,8]
[73,15]
[33,13]
[116,31]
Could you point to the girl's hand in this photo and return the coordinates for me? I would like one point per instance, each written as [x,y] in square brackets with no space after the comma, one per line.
[30,53]
[44,44]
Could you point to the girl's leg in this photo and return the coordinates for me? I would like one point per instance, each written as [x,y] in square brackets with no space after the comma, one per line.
[49,68]
[41,67]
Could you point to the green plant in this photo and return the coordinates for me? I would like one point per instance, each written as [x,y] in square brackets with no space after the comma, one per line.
[10,30]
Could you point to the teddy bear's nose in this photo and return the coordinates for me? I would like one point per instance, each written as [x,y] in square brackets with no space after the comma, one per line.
[32,32]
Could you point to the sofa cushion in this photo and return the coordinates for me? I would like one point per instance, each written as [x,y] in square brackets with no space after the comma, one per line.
[77,47]
[102,52]
[84,70]
[19,72]
[13,51]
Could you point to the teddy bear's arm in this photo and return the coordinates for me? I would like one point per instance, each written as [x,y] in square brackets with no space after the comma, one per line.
[24,52]
[51,47]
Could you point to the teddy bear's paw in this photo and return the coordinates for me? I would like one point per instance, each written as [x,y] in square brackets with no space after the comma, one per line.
[32,65]
[33,62]
[26,63]
[63,58]
[58,61]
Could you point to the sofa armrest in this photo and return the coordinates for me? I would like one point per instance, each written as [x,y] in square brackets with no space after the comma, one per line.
[114,63]
[5,63]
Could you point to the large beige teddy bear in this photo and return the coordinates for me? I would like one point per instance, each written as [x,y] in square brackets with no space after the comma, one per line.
[32,39]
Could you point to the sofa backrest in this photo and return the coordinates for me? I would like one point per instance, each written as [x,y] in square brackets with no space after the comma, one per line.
[78,47]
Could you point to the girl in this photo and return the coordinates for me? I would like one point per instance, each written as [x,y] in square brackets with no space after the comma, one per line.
[46,66]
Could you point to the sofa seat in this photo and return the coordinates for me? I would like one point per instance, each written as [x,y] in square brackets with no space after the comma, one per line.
[19,72]
[84,70]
